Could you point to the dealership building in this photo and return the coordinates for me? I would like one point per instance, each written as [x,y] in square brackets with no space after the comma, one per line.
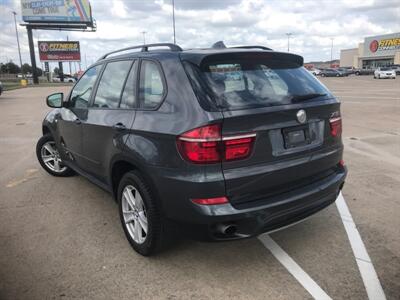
[376,51]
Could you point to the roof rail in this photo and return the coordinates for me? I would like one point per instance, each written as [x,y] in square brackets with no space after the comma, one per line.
[251,47]
[145,48]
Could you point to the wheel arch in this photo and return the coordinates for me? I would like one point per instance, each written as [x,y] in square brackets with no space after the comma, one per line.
[120,166]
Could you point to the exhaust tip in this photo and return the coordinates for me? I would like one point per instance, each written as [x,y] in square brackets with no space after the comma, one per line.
[227,229]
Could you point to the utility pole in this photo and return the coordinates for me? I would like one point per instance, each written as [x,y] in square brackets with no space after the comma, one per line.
[70,72]
[173,18]
[332,49]
[288,40]
[16,32]
[144,37]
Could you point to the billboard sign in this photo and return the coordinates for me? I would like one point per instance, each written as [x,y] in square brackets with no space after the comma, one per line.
[383,45]
[59,51]
[56,11]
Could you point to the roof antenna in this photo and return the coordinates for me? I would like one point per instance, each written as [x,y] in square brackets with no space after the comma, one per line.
[218,45]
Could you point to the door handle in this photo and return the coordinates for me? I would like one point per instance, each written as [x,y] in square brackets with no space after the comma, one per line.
[119,126]
[77,122]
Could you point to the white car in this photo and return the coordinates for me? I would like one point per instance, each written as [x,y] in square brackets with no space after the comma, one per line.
[66,79]
[385,72]
[315,72]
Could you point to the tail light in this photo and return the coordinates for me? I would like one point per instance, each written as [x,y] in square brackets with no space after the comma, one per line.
[336,126]
[206,145]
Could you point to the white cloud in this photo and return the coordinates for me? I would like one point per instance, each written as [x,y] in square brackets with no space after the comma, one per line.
[118,9]
[237,22]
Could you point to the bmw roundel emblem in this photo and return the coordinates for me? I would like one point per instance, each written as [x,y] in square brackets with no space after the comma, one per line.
[301,116]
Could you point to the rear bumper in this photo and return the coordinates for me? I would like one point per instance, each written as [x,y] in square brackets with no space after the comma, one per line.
[205,222]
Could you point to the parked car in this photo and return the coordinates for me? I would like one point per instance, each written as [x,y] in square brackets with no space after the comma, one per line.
[1,87]
[366,71]
[385,72]
[315,72]
[396,68]
[181,147]
[330,73]
[346,71]
[343,72]
[67,78]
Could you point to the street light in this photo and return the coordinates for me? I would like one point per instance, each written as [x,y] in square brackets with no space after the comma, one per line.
[144,37]
[173,18]
[16,32]
[288,39]
[332,48]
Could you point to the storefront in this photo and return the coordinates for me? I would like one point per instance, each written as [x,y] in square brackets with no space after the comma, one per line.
[376,51]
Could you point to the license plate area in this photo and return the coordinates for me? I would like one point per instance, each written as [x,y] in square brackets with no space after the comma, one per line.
[296,136]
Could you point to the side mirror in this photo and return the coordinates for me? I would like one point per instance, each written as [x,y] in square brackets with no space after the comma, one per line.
[55,100]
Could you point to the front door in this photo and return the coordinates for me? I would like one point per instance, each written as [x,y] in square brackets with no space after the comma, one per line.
[72,115]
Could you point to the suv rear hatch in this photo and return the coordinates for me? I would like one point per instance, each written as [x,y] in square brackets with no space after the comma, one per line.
[295,119]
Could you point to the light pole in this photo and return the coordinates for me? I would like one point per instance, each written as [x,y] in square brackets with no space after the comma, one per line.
[16,32]
[288,40]
[332,49]
[144,37]
[173,18]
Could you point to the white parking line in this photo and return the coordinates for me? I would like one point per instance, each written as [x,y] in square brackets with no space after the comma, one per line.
[367,270]
[302,277]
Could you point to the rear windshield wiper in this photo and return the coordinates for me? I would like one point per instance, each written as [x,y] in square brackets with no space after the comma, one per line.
[299,98]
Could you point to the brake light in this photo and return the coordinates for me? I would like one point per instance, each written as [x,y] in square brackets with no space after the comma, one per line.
[336,126]
[207,145]
[211,201]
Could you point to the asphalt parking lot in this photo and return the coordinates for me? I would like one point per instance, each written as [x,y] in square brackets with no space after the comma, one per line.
[61,237]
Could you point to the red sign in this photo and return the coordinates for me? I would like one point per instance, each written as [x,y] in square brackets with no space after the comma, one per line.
[373,46]
[59,51]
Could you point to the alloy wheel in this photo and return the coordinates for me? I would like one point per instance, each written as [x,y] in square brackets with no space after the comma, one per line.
[51,157]
[134,214]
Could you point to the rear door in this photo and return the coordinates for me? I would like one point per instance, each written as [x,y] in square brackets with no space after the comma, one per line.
[110,116]
[289,111]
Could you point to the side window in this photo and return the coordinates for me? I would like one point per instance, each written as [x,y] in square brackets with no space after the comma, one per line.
[111,83]
[151,84]
[80,95]
[128,99]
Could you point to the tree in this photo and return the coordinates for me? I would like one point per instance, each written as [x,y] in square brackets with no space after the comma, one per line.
[39,71]
[26,68]
[56,70]
[11,68]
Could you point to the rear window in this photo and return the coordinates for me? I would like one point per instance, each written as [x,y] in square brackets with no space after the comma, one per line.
[256,83]
[386,69]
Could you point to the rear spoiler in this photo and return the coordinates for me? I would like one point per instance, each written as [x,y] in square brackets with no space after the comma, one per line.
[289,58]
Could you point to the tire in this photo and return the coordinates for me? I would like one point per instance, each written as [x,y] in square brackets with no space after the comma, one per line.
[159,230]
[337,75]
[322,75]
[357,73]
[379,76]
[43,153]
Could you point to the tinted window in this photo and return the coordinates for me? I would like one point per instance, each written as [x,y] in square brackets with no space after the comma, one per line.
[80,95]
[257,83]
[111,83]
[129,95]
[151,84]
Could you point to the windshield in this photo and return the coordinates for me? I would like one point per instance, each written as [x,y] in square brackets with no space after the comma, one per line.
[386,69]
[243,84]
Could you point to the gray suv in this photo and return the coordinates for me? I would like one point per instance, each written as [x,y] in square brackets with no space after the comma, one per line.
[217,144]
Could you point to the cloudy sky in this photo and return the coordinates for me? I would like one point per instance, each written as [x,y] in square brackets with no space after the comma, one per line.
[199,23]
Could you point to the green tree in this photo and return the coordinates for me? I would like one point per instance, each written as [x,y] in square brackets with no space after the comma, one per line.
[26,68]
[11,68]
[56,70]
